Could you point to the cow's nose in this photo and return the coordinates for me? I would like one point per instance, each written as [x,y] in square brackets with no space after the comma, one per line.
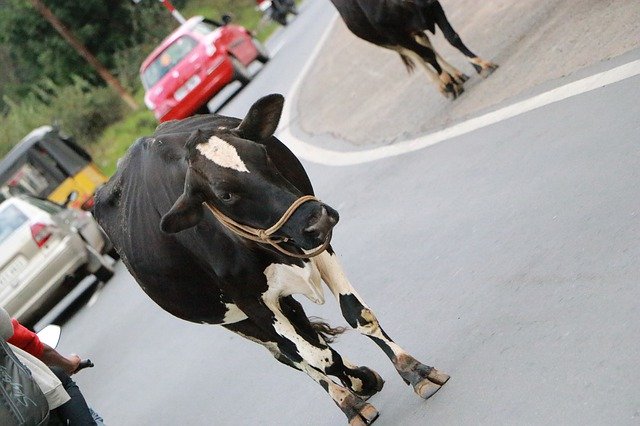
[322,223]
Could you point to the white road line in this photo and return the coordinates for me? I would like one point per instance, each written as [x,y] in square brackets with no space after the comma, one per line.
[323,156]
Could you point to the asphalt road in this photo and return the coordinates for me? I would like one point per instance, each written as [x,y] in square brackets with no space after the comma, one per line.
[507,257]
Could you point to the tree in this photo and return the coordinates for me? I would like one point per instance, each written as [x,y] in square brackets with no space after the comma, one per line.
[105,27]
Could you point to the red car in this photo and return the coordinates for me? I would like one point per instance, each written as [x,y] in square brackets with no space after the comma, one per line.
[194,63]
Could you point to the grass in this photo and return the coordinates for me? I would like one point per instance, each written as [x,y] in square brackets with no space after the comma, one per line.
[117,139]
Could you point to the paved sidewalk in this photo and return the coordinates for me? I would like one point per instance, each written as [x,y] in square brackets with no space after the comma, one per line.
[356,89]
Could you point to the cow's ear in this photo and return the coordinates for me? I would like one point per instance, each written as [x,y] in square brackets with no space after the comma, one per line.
[262,119]
[186,212]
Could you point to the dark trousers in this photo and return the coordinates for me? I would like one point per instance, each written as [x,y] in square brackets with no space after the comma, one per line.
[74,412]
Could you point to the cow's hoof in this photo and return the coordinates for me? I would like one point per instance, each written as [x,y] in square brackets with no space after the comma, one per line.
[372,384]
[484,68]
[437,377]
[452,91]
[365,416]
[488,69]
[426,388]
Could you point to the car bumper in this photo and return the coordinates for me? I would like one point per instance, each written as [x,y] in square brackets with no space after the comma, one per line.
[37,289]
[214,81]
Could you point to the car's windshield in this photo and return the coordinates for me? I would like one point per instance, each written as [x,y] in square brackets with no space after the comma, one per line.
[204,27]
[166,60]
[11,218]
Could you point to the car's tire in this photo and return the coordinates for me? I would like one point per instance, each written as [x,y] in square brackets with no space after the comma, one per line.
[263,53]
[240,72]
[113,253]
[204,109]
[103,274]
[281,19]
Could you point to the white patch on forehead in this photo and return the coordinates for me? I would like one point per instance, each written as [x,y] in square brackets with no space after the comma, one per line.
[222,153]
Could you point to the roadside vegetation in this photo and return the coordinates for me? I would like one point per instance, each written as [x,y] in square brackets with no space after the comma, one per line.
[44,81]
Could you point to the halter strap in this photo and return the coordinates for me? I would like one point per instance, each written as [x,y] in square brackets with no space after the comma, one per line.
[264,235]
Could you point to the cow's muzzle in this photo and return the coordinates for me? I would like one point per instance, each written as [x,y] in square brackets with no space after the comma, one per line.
[314,239]
[321,224]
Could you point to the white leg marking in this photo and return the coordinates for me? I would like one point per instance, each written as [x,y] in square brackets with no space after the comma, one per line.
[233,314]
[285,280]
[333,275]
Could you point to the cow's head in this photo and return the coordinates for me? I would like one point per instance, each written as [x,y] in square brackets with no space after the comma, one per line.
[230,169]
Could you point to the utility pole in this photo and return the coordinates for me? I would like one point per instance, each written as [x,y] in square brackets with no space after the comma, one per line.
[82,50]
[173,11]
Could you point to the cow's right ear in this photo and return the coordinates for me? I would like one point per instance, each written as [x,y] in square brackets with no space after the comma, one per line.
[186,212]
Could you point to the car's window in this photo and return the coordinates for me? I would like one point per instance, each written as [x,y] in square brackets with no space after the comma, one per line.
[28,179]
[203,28]
[166,60]
[11,218]
[45,205]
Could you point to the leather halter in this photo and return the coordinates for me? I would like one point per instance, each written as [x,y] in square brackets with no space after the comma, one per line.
[264,235]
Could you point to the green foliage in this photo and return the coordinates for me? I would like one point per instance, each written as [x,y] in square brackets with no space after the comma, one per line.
[117,139]
[79,108]
[104,27]
[43,80]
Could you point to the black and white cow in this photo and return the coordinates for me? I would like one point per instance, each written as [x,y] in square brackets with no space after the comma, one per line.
[189,263]
[400,25]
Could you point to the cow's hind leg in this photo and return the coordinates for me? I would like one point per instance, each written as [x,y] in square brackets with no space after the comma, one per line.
[457,75]
[482,67]
[425,380]
[363,381]
[358,412]
[426,56]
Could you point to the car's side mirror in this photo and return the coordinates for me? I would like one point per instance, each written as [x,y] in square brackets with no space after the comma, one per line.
[226,18]
[73,195]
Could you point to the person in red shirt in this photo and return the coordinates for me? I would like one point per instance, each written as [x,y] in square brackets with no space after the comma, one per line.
[75,411]
[28,341]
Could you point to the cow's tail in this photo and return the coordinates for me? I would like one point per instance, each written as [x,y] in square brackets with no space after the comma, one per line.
[408,63]
[328,333]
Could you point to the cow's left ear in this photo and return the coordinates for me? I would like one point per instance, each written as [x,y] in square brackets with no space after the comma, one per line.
[262,119]
[187,211]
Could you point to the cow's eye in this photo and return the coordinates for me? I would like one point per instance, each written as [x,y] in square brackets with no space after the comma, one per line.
[226,196]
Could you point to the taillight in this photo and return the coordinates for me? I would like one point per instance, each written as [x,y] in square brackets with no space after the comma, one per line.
[40,233]
[88,204]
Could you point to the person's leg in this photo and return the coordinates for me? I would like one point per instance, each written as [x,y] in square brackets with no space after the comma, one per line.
[74,412]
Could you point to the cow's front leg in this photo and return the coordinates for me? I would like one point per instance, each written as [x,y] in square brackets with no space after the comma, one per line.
[302,351]
[358,412]
[362,380]
[425,380]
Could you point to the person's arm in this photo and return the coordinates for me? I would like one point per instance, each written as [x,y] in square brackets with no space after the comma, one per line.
[29,341]
[52,357]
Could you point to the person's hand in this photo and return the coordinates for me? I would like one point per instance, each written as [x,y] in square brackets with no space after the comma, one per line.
[74,362]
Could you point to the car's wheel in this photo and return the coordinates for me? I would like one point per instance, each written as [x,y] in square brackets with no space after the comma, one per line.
[263,53]
[113,253]
[281,19]
[204,109]
[240,72]
[104,274]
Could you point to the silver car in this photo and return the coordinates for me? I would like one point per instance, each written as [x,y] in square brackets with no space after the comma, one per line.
[44,249]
